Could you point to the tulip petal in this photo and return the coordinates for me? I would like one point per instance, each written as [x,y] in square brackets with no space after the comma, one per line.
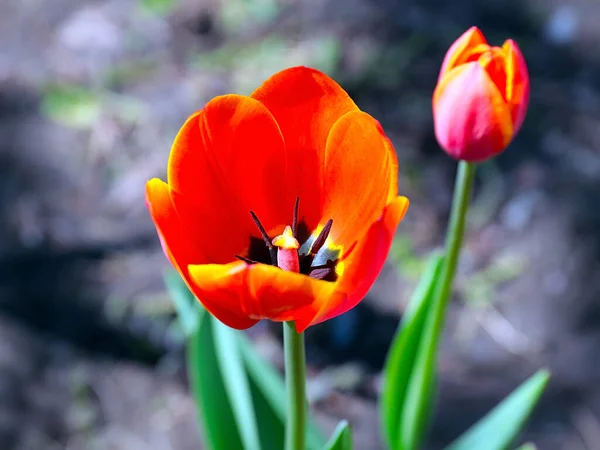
[181,251]
[494,63]
[460,51]
[170,230]
[259,291]
[360,166]
[281,295]
[393,185]
[362,265]
[471,119]
[305,103]
[229,159]
[223,285]
[517,83]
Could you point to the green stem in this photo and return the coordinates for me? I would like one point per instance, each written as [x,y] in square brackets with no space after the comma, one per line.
[295,377]
[454,238]
[416,415]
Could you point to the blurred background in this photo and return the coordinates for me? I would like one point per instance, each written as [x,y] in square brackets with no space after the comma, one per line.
[91,95]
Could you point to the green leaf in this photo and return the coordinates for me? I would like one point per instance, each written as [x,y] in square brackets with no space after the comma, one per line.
[72,106]
[500,427]
[236,382]
[271,427]
[341,439]
[206,381]
[403,352]
[248,64]
[420,394]
[271,386]
[158,7]
[419,402]
[528,446]
[208,342]
[238,16]
[188,308]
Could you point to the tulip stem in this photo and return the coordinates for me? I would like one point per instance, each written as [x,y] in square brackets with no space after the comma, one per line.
[295,376]
[463,188]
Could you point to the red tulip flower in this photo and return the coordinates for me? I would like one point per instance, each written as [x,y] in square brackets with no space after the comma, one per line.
[280,205]
[481,97]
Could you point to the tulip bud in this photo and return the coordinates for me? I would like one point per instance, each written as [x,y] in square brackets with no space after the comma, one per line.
[481,97]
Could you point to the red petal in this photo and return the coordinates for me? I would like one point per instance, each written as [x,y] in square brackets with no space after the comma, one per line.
[174,241]
[517,83]
[229,159]
[181,251]
[259,291]
[460,51]
[393,186]
[494,63]
[305,103]
[359,178]
[471,119]
[362,266]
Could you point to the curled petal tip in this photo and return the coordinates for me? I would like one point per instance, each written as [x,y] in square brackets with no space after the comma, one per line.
[400,205]
[460,51]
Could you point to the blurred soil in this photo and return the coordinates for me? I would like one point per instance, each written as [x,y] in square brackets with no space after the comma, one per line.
[91,95]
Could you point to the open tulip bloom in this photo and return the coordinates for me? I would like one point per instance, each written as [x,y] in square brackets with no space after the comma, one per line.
[296,153]
[282,205]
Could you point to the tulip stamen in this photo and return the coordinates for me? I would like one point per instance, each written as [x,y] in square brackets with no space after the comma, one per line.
[246,260]
[321,272]
[286,253]
[295,218]
[321,238]
[266,238]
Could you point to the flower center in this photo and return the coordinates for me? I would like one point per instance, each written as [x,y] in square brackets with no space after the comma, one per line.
[313,258]
[287,250]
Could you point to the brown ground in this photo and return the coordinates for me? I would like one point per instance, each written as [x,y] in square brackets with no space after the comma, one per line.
[86,357]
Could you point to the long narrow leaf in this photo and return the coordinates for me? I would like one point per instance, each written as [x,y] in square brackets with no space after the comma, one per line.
[420,394]
[421,386]
[206,382]
[236,383]
[271,384]
[419,402]
[187,307]
[271,427]
[403,351]
[501,426]
[341,439]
